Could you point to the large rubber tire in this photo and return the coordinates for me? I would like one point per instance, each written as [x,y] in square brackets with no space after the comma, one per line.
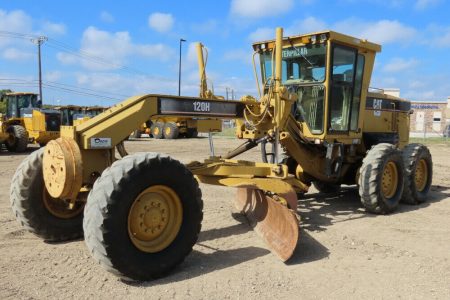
[157,130]
[171,131]
[27,202]
[326,187]
[18,140]
[107,215]
[380,159]
[191,133]
[413,154]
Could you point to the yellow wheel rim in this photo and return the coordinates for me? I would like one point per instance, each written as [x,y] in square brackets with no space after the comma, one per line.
[167,130]
[389,180]
[156,131]
[421,175]
[61,208]
[155,218]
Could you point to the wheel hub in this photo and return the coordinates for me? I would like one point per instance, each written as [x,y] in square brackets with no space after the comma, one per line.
[421,175]
[155,218]
[62,168]
[61,208]
[389,180]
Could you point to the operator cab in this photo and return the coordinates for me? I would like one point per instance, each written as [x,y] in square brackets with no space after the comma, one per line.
[69,113]
[19,104]
[322,68]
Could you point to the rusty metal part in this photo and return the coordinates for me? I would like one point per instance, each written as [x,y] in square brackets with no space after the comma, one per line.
[62,168]
[275,223]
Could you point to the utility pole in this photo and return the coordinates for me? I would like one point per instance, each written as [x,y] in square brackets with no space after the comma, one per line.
[39,41]
[226,90]
[232,94]
[179,69]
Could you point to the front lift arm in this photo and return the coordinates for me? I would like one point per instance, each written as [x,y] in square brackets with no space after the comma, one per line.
[75,161]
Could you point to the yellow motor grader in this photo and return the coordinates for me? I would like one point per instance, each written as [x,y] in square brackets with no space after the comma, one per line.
[315,121]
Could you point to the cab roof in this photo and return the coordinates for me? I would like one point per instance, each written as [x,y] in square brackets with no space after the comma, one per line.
[20,94]
[329,34]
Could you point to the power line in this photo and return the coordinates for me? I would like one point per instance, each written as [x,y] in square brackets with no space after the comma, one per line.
[63,87]
[58,45]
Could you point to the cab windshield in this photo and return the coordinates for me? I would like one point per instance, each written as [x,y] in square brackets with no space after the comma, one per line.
[25,101]
[303,73]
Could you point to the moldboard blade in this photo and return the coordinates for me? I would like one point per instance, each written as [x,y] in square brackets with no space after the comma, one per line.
[275,223]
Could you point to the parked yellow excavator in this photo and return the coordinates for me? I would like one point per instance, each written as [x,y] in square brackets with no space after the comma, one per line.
[316,123]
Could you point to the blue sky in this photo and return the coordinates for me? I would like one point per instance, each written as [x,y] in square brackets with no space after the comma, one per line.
[118,49]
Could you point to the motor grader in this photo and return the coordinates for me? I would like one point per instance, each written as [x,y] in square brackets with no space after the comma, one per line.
[26,122]
[315,121]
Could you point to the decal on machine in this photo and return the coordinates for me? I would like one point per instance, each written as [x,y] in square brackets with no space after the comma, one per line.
[97,142]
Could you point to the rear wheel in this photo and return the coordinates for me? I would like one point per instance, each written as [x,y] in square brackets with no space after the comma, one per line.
[157,130]
[143,216]
[49,218]
[418,173]
[17,140]
[381,179]
[171,130]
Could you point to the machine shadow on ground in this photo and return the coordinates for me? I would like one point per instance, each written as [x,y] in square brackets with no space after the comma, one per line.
[199,263]
[318,210]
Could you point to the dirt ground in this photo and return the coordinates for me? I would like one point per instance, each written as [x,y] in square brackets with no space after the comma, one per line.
[343,252]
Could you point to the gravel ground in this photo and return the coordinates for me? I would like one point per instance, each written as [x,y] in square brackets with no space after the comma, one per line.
[343,252]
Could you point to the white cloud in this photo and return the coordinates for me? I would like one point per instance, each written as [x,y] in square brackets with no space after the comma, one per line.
[262,34]
[240,55]
[16,54]
[106,17]
[307,25]
[53,76]
[208,26]
[439,35]
[382,31]
[108,51]
[161,22]
[424,4]
[53,28]
[14,21]
[398,64]
[66,58]
[260,8]
[132,84]
[192,53]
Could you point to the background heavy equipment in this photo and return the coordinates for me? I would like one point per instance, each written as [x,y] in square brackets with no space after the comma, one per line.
[172,127]
[74,114]
[143,212]
[25,121]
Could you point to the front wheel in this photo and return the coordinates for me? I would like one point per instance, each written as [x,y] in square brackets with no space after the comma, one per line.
[143,216]
[17,140]
[49,218]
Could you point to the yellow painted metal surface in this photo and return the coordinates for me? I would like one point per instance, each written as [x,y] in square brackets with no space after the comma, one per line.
[155,218]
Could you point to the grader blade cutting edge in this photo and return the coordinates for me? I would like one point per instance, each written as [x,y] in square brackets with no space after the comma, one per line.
[274,222]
